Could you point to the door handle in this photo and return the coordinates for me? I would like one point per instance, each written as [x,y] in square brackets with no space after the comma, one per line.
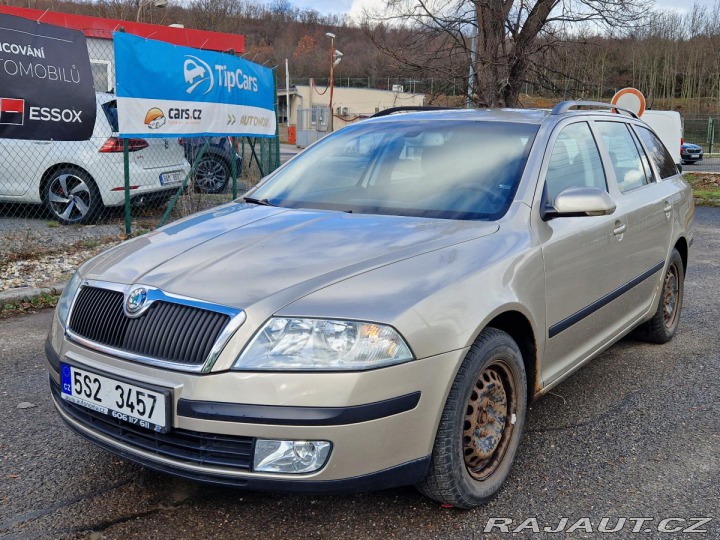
[619,229]
[667,209]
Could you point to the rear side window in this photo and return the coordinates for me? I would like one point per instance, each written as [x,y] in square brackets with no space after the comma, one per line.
[629,161]
[664,162]
[111,113]
[574,161]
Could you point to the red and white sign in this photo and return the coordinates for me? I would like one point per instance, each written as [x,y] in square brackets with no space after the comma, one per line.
[631,99]
[12,111]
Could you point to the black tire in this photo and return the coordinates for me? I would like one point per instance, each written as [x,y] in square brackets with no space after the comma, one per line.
[467,471]
[212,174]
[72,196]
[664,323]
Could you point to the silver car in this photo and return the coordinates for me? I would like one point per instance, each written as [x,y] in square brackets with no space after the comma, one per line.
[380,310]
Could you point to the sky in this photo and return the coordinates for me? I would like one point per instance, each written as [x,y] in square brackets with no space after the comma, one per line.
[355,7]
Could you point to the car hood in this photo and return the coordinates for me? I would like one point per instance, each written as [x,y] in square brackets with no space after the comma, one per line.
[241,254]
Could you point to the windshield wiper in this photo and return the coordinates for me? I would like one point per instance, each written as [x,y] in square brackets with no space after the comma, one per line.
[261,202]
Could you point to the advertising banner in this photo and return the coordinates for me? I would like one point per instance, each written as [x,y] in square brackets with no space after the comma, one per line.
[168,90]
[46,86]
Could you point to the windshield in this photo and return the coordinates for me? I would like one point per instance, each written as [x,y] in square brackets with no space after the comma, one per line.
[440,169]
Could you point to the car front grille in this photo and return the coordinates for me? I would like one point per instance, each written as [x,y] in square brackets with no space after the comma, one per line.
[167,331]
[198,448]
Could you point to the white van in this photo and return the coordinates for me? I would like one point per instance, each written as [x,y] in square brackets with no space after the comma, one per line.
[668,126]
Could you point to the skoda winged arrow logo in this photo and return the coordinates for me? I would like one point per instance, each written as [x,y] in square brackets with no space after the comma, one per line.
[135,301]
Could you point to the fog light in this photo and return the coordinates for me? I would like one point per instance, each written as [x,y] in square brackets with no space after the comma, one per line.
[290,456]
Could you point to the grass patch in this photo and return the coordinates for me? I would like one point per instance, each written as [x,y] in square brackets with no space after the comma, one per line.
[29,305]
[706,188]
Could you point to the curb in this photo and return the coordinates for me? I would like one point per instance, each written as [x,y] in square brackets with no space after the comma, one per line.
[27,293]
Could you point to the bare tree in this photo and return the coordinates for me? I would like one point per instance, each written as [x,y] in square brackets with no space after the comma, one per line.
[514,39]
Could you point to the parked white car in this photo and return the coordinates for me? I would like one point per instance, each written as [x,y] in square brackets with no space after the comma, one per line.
[77,179]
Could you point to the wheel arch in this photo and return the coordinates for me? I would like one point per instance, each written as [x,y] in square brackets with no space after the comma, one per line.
[682,246]
[216,154]
[45,178]
[518,326]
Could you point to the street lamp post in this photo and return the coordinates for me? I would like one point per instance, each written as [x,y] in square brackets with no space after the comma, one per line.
[155,3]
[335,59]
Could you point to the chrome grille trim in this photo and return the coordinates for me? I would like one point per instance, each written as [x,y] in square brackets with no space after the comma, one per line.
[236,319]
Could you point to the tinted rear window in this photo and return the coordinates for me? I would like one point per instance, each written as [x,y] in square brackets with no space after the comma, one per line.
[664,162]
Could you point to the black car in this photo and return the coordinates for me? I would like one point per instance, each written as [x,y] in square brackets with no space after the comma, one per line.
[214,169]
[690,153]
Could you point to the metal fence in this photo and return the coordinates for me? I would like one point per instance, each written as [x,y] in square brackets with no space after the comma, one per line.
[132,184]
[703,130]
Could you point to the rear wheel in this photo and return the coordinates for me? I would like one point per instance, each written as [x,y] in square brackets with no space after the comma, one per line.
[663,326]
[72,196]
[481,425]
[211,174]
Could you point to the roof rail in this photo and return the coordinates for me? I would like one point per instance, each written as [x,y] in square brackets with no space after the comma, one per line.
[565,106]
[409,108]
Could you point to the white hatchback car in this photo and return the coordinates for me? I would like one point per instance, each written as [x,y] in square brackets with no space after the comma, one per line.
[77,179]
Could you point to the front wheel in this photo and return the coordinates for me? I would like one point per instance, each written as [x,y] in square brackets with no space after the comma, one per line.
[72,196]
[663,326]
[481,425]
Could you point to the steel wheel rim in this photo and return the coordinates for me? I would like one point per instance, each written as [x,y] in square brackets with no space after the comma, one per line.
[489,420]
[671,296]
[210,174]
[69,197]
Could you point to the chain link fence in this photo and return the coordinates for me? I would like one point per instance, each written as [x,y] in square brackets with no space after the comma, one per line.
[58,195]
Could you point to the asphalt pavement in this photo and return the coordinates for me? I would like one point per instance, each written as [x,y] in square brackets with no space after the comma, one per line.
[634,434]
[706,165]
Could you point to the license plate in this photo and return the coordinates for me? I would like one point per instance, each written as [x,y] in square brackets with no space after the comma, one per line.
[695,155]
[171,178]
[128,402]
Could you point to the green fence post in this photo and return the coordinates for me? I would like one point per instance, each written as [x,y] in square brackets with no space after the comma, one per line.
[126,166]
[233,154]
[710,137]
[251,143]
[276,142]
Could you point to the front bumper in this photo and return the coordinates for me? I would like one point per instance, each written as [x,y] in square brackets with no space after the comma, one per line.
[691,156]
[376,444]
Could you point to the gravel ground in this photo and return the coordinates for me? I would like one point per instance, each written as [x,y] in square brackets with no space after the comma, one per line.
[45,271]
[33,254]
[635,433]
[27,235]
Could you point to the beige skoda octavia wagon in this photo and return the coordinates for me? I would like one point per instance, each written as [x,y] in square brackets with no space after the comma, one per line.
[381,309]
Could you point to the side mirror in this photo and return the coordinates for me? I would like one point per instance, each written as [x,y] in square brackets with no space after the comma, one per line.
[581,201]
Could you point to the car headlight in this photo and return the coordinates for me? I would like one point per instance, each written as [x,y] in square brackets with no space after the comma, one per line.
[285,344]
[67,297]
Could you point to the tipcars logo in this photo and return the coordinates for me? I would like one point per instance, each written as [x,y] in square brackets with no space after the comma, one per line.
[12,111]
[155,118]
[198,75]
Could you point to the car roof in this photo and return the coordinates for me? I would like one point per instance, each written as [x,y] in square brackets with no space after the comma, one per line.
[527,116]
